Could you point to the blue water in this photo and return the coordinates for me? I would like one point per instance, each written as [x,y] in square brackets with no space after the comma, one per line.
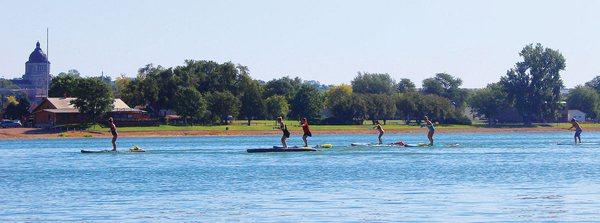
[489,177]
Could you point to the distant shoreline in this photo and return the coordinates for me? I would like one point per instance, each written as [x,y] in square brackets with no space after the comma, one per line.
[30,133]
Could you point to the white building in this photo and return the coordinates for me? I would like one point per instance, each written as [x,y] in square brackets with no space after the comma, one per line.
[576,114]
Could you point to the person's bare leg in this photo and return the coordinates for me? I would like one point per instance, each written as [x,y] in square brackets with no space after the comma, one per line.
[283,138]
[304,138]
[379,138]
[114,143]
[430,137]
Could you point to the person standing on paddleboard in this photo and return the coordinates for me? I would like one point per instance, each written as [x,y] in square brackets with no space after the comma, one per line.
[113,131]
[306,131]
[284,129]
[380,130]
[578,130]
[431,130]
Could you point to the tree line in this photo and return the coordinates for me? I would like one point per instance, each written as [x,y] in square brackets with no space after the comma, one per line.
[531,91]
[207,92]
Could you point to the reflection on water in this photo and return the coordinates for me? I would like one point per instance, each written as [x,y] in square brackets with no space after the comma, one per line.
[488,177]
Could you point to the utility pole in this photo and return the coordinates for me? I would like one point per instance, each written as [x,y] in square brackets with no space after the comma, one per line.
[47,43]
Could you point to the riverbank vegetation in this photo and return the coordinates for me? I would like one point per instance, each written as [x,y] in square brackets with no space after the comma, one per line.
[210,93]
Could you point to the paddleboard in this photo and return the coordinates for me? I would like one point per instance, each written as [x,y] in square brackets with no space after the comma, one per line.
[134,149]
[416,145]
[359,144]
[281,150]
[98,151]
[573,144]
[384,145]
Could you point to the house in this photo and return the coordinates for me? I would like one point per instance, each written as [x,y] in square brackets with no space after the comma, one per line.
[576,114]
[59,111]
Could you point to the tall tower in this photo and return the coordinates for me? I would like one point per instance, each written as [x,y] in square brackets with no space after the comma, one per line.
[37,73]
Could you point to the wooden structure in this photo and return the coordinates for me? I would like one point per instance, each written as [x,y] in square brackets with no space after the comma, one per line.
[59,111]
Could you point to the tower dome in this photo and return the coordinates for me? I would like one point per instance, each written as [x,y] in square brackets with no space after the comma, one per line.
[38,56]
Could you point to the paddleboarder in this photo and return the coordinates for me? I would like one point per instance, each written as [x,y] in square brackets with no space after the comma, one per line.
[380,130]
[431,130]
[306,131]
[284,130]
[575,125]
[113,131]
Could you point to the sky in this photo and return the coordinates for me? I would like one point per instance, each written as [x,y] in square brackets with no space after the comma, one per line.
[329,41]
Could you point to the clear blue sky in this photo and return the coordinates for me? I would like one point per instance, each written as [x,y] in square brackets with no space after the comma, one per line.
[328,41]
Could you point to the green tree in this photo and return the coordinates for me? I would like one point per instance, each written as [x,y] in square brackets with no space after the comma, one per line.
[223,104]
[148,93]
[380,106]
[415,105]
[64,84]
[534,84]
[335,93]
[190,104]
[168,84]
[373,83]
[406,106]
[307,103]
[253,105]
[277,106]
[585,99]
[16,108]
[447,86]
[7,84]
[489,102]
[284,86]
[156,87]
[594,83]
[121,84]
[436,107]
[349,109]
[406,85]
[93,98]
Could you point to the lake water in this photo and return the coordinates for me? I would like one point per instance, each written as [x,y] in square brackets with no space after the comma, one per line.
[489,177]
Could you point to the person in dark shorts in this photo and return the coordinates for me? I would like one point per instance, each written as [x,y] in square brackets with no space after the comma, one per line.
[113,131]
[284,129]
[575,125]
[306,130]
